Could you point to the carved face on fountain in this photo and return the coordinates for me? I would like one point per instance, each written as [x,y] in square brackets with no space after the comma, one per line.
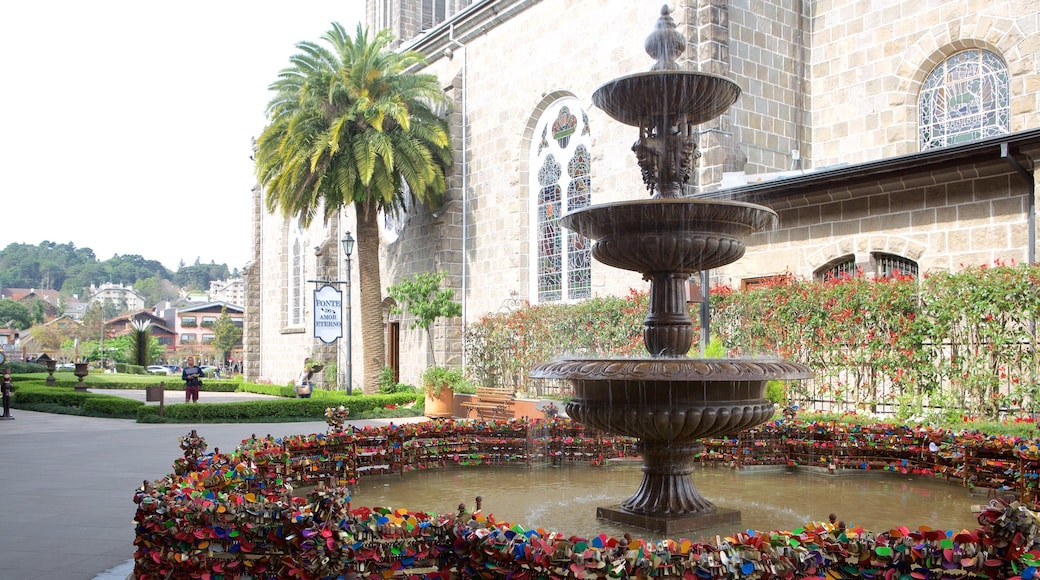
[667,400]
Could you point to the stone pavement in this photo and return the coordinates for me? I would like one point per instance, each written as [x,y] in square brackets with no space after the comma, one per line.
[67,485]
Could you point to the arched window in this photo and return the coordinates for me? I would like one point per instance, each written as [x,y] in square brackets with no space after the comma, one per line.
[295,281]
[843,267]
[882,265]
[888,265]
[560,182]
[965,98]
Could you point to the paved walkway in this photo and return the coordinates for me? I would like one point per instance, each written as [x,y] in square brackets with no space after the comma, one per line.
[67,485]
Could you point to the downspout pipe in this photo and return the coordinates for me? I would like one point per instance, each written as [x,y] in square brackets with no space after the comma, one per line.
[465,183]
[1031,200]
[1005,153]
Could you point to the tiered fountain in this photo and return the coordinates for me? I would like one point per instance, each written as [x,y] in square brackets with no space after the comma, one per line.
[667,400]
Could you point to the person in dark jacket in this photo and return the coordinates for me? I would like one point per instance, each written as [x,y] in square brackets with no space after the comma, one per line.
[192,377]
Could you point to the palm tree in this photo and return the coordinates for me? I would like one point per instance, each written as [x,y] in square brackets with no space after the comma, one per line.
[349,124]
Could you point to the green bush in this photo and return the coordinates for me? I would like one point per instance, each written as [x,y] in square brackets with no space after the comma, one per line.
[387,384]
[130,369]
[435,378]
[111,406]
[23,368]
[273,390]
[26,394]
[273,410]
[776,392]
[35,396]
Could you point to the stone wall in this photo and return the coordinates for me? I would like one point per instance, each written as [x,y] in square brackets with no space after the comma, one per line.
[943,219]
[870,58]
[767,47]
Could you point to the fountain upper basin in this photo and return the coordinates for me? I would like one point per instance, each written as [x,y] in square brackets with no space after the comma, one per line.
[694,96]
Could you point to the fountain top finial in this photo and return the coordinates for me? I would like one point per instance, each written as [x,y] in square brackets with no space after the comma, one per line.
[665,43]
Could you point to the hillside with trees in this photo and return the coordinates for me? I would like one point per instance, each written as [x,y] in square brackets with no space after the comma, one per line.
[71,271]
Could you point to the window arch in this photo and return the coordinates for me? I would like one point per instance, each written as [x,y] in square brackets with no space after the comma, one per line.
[965,98]
[560,181]
[882,265]
[295,280]
[836,269]
[888,265]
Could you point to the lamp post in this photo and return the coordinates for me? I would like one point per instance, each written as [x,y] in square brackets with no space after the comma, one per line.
[348,248]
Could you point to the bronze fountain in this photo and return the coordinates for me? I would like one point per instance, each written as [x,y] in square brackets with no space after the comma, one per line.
[667,400]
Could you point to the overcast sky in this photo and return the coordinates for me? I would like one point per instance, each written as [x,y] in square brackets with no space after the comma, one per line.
[127,124]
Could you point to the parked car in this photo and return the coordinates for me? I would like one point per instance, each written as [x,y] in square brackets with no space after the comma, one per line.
[209,370]
[65,367]
[174,369]
[159,370]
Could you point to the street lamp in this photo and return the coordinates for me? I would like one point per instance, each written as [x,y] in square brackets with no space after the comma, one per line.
[348,248]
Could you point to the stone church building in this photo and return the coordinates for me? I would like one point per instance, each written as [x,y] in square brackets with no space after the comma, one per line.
[887,134]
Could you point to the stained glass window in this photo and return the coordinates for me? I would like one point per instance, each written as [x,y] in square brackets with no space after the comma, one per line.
[579,283]
[561,182]
[965,98]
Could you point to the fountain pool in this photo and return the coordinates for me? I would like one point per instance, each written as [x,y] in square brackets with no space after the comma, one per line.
[564,498]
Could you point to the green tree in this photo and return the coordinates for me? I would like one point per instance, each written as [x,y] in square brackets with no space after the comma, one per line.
[156,289]
[37,310]
[92,323]
[49,337]
[226,334]
[423,298]
[14,314]
[349,124]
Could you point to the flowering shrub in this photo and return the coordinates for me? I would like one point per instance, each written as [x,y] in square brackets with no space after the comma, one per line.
[502,347]
[949,345]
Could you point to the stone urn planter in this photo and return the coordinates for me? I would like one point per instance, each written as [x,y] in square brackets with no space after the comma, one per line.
[51,367]
[80,372]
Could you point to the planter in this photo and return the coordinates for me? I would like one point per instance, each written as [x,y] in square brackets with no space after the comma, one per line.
[51,367]
[440,406]
[80,372]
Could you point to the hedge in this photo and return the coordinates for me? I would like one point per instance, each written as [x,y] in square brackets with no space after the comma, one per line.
[27,395]
[313,408]
[34,394]
[112,406]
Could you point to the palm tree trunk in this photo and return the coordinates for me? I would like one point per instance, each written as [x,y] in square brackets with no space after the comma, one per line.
[373,340]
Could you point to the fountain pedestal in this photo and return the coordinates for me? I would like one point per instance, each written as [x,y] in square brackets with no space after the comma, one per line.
[666,501]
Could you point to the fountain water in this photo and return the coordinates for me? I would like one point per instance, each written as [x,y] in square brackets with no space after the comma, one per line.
[668,401]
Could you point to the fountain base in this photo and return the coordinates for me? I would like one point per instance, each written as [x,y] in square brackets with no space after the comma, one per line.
[670,524]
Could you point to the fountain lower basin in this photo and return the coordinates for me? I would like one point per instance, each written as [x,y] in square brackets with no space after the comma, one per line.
[669,404]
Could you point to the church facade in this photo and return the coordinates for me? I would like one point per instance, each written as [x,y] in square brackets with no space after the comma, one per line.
[888,135]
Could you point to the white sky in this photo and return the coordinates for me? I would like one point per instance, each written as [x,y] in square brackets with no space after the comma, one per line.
[126,124]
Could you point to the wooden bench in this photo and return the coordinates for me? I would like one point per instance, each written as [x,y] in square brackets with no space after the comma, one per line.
[490,401]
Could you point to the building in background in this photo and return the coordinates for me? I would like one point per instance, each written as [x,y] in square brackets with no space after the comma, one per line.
[231,290]
[123,296]
[194,328]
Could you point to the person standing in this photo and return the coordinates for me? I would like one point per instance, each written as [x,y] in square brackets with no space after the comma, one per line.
[304,385]
[192,377]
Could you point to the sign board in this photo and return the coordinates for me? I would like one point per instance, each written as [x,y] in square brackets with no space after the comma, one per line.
[328,314]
